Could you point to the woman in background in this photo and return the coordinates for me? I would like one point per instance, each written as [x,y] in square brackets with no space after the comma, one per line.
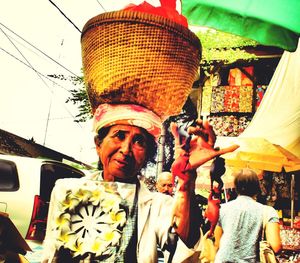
[240,224]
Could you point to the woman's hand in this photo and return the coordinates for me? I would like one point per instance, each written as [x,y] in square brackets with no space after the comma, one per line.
[187,159]
[202,144]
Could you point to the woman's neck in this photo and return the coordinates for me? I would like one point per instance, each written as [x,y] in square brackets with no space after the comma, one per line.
[128,180]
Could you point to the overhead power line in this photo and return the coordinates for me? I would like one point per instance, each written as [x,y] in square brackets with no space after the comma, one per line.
[39,50]
[101,5]
[31,67]
[43,80]
[65,15]
[24,58]
[8,53]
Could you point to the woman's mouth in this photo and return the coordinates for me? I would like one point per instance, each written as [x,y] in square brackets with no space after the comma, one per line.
[122,163]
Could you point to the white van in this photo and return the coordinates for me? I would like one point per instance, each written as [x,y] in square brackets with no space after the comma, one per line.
[25,188]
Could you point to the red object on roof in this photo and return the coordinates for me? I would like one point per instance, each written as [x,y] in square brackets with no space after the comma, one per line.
[167,9]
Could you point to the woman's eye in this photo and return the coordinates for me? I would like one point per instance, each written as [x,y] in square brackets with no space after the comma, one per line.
[140,141]
[120,135]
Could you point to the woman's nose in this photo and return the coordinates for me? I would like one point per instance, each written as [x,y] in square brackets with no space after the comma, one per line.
[126,148]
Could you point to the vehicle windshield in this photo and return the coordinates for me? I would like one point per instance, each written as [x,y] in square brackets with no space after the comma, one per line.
[9,180]
[50,172]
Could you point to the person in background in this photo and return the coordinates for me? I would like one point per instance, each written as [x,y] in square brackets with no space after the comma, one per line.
[164,183]
[240,224]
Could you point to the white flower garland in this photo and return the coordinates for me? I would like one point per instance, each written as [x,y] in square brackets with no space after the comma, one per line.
[90,220]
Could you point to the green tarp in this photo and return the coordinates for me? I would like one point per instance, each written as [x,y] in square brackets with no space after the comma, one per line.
[269,22]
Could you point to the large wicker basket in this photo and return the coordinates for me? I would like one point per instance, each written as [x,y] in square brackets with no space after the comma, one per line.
[135,57]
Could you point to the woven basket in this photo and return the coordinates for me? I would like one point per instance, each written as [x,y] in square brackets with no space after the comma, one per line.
[135,57]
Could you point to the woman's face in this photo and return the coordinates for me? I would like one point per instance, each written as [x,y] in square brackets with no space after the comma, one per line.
[122,153]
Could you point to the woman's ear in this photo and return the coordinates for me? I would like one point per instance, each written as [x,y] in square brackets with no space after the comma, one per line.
[97,140]
[98,144]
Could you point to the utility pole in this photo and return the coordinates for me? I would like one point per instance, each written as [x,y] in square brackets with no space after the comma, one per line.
[161,145]
[47,122]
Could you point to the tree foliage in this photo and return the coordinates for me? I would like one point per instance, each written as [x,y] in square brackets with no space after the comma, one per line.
[223,47]
[78,96]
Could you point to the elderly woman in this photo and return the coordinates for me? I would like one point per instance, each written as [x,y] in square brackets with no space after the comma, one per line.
[124,145]
[139,67]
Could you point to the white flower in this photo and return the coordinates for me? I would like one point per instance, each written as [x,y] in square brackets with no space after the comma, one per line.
[111,202]
[76,245]
[90,220]
[114,218]
[62,222]
[83,195]
[111,236]
[97,196]
[70,202]
[97,246]
[65,237]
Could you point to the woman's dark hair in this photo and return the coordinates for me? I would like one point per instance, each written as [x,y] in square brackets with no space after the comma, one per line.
[246,182]
[150,141]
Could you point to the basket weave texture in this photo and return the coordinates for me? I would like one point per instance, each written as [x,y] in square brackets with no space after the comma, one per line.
[134,57]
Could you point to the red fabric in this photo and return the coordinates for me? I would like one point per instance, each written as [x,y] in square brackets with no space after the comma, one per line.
[231,98]
[237,78]
[167,9]
[212,212]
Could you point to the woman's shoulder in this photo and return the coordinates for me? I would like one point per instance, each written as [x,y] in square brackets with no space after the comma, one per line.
[73,183]
[243,203]
[271,214]
[70,181]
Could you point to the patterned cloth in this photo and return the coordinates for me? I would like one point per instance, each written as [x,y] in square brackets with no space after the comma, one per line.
[229,125]
[246,99]
[231,98]
[130,114]
[217,104]
[241,221]
[127,252]
[206,100]
[228,99]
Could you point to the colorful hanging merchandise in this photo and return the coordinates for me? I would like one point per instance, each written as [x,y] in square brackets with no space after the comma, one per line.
[229,125]
[231,98]
[260,92]
[246,99]
[206,100]
[217,104]
[237,78]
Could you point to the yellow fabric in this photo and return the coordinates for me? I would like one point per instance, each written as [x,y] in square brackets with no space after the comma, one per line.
[208,251]
[258,153]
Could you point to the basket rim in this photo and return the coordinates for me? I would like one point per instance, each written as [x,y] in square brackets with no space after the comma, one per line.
[128,16]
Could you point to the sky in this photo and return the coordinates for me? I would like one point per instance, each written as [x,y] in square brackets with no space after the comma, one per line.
[36,40]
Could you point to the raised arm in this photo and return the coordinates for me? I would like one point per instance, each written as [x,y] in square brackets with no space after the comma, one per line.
[201,149]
